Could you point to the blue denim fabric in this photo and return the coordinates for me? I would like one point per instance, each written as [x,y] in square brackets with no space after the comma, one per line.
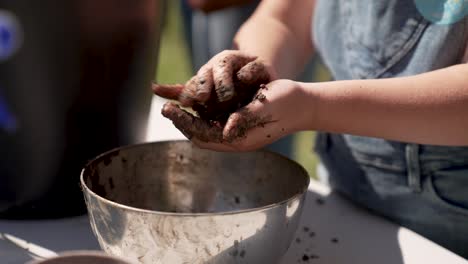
[422,187]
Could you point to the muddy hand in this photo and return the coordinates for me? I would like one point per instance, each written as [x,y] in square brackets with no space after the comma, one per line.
[271,115]
[195,128]
[192,126]
[219,77]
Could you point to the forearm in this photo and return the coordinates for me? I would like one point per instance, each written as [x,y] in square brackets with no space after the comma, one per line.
[279,34]
[430,108]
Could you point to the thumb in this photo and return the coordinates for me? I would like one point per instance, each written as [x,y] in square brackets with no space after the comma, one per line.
[245,120]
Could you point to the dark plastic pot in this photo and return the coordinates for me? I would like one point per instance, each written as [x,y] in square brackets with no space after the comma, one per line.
[74,81]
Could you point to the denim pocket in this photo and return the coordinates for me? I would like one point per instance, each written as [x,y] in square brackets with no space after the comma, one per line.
[377,37]
[449,188]
[378,153]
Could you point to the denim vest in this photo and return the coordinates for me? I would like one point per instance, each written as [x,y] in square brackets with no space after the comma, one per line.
[422,187]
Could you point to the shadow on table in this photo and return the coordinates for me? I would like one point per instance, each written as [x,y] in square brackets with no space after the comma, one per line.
[331,230]
[10,253]
[22,241]
[334,230]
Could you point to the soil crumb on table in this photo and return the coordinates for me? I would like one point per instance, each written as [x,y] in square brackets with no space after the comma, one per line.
[320,201]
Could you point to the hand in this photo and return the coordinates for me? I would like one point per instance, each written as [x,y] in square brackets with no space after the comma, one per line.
[226,83]
[220,75]
[274,113]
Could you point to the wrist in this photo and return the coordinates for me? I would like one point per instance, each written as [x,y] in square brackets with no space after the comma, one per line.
[303,104]
[309,103]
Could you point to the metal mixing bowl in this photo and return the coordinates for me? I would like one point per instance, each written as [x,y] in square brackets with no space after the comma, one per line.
[170,202]
[81,257]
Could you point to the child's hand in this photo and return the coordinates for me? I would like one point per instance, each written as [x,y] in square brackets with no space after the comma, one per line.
[218,78]
[275,112]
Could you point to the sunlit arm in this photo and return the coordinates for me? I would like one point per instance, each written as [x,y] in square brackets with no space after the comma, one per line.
[279,33]
[430,108]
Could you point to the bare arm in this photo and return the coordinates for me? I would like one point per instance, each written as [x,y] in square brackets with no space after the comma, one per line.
[430,108]
[279,34]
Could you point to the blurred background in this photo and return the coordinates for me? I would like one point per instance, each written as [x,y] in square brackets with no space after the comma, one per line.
[74,83]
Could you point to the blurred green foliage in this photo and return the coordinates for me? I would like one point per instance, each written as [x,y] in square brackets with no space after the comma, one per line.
[174,61]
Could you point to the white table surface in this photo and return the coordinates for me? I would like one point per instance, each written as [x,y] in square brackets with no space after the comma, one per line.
[332,230]
[361,237]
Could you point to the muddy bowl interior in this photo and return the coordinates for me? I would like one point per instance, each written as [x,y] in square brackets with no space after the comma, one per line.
[170,202]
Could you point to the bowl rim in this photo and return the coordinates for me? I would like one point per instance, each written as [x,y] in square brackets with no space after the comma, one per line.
[86,189]
[70,254]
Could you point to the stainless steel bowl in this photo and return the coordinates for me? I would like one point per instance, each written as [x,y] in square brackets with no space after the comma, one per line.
[81,257]
[170,202]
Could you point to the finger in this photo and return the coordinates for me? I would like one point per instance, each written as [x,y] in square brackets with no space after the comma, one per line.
[187,96]
[244,120]
[169,91]
[192,127]
[223,72]
[221,147]
[254,73]
[257,138]
[205,84]
[233,130]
